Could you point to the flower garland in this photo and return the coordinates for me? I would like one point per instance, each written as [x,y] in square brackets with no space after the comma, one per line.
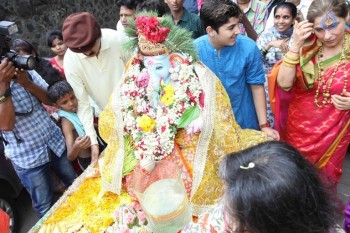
[150,28]
[153,129]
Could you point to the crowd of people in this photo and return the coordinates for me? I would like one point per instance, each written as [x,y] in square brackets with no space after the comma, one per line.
[258,70]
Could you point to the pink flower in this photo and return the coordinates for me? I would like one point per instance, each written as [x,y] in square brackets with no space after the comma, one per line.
[201,99]
[129,218]
[125,229]
[143,79]
[142,217]
[116,214]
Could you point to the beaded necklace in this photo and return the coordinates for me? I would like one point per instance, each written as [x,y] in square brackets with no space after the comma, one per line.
[326,85]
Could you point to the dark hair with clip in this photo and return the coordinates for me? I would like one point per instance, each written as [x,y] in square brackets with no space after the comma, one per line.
[272,188]
[215,13]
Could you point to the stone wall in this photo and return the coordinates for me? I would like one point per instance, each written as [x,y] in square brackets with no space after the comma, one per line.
[35,17]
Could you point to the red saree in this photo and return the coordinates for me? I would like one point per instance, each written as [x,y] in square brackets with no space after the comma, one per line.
[321,134]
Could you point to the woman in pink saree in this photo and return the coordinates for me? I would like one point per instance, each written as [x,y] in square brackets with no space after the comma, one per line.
[310,90]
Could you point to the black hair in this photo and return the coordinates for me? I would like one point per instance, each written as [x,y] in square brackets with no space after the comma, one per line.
[158,6]
[23,45]
[288,5]
[58,90]
[51,35]
[272,188]
[43,66]
[215,13]
[130,4]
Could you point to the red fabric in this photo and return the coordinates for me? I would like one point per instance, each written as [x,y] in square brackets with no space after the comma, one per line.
[4,222]
[57,66]
[310,129]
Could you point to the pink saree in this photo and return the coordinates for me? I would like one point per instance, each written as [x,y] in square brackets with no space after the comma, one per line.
[321,134]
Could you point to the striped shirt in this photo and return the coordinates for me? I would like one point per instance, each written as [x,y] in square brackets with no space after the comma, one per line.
[257,14]
[34,131]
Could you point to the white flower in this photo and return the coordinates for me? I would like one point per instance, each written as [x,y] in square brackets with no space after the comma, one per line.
[158,143]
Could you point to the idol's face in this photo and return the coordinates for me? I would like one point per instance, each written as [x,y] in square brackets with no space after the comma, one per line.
[158,66]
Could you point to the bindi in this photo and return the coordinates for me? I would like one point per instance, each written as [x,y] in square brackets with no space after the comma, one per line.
[329,21]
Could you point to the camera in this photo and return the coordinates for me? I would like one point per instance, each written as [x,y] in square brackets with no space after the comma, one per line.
[25,62]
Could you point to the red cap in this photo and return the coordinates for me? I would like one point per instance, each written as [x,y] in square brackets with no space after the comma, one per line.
[80,31]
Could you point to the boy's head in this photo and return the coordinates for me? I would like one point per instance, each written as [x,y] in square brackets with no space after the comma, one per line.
[215,13]
[220,19]
[175,5]
[63,97]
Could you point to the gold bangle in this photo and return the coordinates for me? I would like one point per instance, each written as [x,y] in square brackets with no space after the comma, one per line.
[286,64]
[292,57]
[288,60]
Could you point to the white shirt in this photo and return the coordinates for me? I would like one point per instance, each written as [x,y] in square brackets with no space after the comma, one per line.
[95,76]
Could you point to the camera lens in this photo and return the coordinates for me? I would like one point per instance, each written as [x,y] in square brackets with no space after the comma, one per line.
[25,62]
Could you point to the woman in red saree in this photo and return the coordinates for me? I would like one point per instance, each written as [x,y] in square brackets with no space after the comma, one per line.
[310,90]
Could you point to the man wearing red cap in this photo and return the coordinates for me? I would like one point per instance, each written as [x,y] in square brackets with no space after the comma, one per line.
[93,66]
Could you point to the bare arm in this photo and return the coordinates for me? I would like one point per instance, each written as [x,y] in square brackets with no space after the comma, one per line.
[287,73]
[39,92]
[260,108]
[74,144]
[251,33]
[7,111]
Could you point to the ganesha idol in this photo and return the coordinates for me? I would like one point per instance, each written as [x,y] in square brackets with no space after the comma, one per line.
[169,107]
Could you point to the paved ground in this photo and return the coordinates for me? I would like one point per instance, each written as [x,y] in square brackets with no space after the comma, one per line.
[28,217]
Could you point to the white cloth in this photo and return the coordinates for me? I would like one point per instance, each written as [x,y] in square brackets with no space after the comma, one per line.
[120,26]
[303,7]
[95,76]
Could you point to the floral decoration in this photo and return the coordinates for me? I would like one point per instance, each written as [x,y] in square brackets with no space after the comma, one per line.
[129,219]
[153,129]
[151,29]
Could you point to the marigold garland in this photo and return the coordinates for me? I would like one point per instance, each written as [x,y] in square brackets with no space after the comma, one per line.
[83,206]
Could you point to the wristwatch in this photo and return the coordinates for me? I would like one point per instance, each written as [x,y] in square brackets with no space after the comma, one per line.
[5,96]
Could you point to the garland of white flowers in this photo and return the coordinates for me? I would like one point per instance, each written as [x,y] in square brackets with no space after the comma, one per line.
[153,129]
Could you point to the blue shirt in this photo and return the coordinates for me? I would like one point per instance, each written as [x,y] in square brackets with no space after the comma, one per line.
[238,67]
[191,6]
[27,144]
[74,119]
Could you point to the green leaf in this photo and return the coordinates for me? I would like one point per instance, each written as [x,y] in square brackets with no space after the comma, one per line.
[188,116]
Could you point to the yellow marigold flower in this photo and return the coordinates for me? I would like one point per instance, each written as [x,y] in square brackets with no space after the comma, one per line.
[146,123]
[168,96]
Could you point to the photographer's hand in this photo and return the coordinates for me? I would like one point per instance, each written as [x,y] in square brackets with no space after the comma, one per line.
[7,111]
[7,71]
[23,79]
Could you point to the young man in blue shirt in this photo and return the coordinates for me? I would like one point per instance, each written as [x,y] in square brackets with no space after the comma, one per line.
[236,60]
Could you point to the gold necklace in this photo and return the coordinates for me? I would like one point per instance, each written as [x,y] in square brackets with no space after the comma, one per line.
[326,85]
